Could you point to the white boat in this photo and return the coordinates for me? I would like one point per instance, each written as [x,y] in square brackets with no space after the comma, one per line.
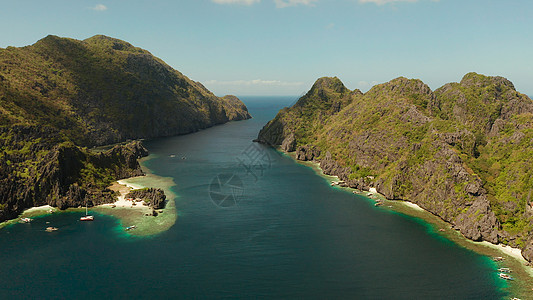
[26,220]
[504,270]
[131,227]
[87,217]
[50,229]
[505,276]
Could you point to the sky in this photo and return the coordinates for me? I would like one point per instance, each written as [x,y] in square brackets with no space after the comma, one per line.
[280,47]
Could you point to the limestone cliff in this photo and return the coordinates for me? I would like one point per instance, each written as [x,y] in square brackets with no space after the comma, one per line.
[61,95]
[103,91]
[461,152]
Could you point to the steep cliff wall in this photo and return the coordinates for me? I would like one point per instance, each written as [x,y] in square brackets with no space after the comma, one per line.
[103,91]
[61,95]
[461,152]
[38,167]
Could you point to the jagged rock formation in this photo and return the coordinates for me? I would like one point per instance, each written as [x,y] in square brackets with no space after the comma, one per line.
[462,152]
[154,197]
[39,167]
[61,95]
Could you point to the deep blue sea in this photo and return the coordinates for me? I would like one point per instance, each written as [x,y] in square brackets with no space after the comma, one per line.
[252,224]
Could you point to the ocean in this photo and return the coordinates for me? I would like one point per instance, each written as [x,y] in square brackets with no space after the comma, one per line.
[252,223]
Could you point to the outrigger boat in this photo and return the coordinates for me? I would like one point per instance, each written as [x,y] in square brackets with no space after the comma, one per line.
[504,270]
[505,276]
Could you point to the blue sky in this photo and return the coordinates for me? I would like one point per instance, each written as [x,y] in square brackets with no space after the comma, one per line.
[280,47]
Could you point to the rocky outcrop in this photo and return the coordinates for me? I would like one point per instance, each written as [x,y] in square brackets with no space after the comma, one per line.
[154,197]
[61,95]
[459,152]
[307,152]
[479,222]
[39,170]
[289,143]
[235,109]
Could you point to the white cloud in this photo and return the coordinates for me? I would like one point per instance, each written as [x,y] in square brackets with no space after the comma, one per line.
[383,2]
[288,3]
[254,82]
[241,2]
[99,7]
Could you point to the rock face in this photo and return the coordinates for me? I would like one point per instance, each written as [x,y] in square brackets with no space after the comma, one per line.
[461,152]
[39,170]
[307,153]
[102,91]
[61,95]
[154,197]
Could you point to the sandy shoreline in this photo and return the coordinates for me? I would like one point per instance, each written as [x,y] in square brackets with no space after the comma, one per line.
[139,214]
[122,209]
[413,206]
[124,187]
[513,252]
[522,270]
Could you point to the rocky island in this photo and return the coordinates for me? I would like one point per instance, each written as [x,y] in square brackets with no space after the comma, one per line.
[60,98]
[462,152]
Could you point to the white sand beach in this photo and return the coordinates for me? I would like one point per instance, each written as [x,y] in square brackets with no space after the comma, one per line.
[124,187]
[412,205]
[39,209]
[513,252]
[139,214]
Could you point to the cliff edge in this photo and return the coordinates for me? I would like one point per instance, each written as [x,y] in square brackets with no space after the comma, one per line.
[461,152]
[60,96]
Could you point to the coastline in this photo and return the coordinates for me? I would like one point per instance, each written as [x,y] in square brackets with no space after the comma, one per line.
[513,259]
[127,214]
[31,212]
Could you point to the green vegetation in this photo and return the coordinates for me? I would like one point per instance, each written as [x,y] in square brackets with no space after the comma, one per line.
[61,95]
[464,151]
[103,91]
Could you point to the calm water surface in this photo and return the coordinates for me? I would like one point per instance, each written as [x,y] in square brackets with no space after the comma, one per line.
[290,235]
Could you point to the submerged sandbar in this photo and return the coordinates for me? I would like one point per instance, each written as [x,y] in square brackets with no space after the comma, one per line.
[129,215]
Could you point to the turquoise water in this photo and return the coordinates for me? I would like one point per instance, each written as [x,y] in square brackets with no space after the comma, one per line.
[252,224]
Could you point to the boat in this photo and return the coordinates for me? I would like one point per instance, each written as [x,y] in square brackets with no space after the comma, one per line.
[87,217]
[131,227]
[497,258]
[26,220]
[50,229]
[505,276]
[504,270]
